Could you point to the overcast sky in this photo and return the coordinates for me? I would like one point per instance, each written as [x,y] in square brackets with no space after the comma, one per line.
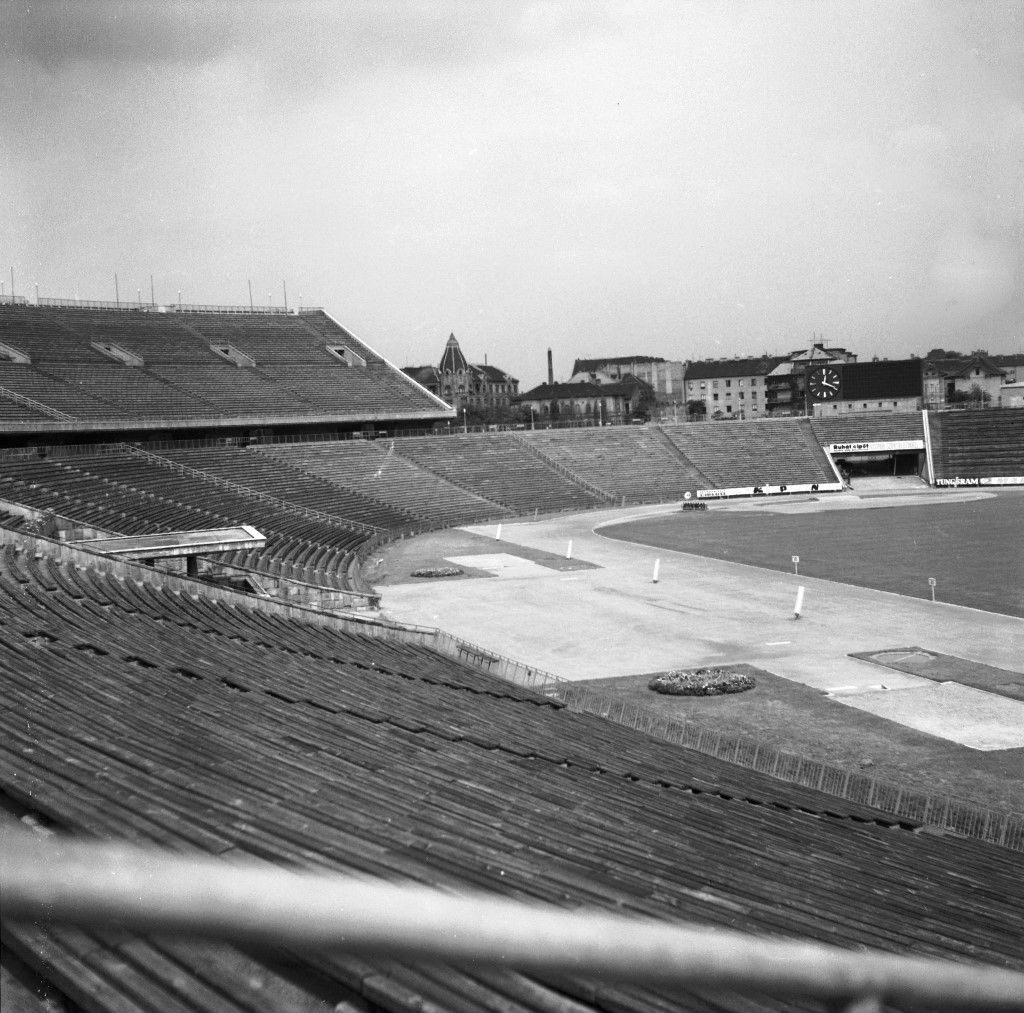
[679,179]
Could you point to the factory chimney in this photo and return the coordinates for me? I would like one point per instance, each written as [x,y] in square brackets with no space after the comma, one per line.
[551,372]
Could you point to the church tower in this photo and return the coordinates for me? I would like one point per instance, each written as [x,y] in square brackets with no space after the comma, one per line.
[453,361]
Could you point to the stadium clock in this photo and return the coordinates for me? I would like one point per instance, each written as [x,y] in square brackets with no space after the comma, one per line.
[824,383]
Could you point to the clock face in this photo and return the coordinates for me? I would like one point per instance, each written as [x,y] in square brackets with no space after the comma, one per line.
[824,383]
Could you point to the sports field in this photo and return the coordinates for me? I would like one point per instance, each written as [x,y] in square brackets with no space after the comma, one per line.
[599,618]
[974,549]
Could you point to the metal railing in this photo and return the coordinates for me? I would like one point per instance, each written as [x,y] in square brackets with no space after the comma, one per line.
[38,406]
[564,471]
[51,879]
[152,307]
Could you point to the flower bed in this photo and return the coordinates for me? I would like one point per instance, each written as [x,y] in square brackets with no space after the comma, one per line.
[702,682]
[438,571]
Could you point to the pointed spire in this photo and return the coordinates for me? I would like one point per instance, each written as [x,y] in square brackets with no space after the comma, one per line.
[453,361]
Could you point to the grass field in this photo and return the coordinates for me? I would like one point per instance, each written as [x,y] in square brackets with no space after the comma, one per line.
[974,550]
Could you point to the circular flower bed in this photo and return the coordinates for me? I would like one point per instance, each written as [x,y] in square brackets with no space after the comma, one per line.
[438,571]
[701,682]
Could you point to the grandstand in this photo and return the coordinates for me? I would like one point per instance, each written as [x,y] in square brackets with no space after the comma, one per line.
[501,468]
[377,469]
[65,368]
[143,706]
[867,428]
[976,445]
[158,714]
[632,464]
[763,452]
[125,493]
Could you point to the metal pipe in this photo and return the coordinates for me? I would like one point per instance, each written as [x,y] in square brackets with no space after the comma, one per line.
[62,880]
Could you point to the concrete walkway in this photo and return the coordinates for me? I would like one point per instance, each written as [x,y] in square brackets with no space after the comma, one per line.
[613,620]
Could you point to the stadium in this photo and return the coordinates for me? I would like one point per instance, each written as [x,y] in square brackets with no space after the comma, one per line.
[266,605]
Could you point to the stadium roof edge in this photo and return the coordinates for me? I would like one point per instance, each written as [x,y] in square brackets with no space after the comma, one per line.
[447,410]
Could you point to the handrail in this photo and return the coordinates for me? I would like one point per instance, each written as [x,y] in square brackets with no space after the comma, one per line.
[263,497]
[564,471]
[170,307]
[37,405]
[48,878]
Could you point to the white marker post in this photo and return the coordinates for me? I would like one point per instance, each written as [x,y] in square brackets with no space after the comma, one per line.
[497,534]
[798,607]
[931,584]
[796,563]
[568,551]
[657,565]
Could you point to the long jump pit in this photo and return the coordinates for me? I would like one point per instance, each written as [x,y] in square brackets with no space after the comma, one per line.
[607,598]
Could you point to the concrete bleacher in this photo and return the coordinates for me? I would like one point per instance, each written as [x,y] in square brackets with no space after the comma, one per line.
[174,375]
[16,411]
[279,478]
[629,462]
[39,385]
[868,428]
[739,455]
[234,390]
[130,495]
[499,468]
[339,390]
[978,444]
[130,392]
[157,714]
[375,468]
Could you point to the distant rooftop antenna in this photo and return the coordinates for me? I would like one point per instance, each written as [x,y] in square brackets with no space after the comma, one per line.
[284,288]
[250,295]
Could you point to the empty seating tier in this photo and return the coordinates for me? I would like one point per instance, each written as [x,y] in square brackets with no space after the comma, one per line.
[630,462]
[173,367]
[276,477]
[741,455]
[133,711]
[880,427]
[133,495]
[978,444]
[498,467]
[377,469]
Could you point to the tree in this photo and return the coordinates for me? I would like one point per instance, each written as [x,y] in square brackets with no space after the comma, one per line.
[977,395]
[696,408]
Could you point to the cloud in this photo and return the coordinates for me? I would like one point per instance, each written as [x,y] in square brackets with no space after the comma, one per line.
[118,32]
[293,44]
[974,275]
